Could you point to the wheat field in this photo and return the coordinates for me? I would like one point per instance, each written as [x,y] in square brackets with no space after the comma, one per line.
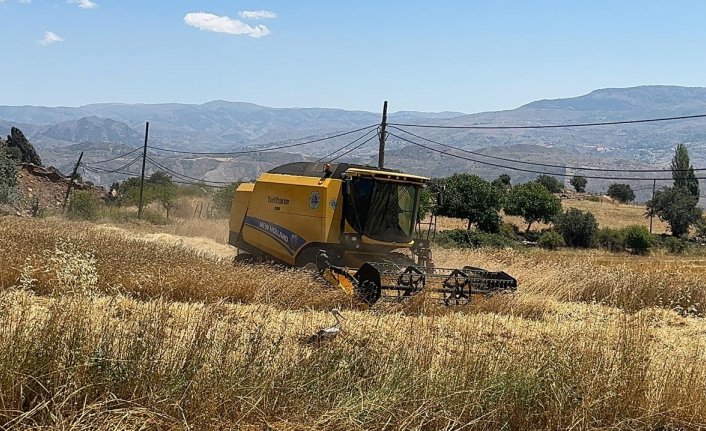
[105,327]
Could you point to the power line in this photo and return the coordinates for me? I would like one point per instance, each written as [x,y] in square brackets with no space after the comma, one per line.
[264,149]
[183,176]
[546,165]
[522,169]
[117,157]
[121,168]
[354,148]
[553,126]
[346,146]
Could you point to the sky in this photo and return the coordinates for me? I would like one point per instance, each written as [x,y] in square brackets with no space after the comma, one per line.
[466,56]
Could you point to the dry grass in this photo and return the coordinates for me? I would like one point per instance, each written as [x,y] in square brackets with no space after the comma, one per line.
[102,328]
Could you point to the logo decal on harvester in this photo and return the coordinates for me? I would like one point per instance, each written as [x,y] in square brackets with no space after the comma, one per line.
[289,240]
[314,200]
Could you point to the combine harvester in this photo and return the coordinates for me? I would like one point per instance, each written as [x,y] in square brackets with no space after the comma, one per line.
[332,217]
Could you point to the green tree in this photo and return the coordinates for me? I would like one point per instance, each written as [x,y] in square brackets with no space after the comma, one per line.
[160,178]
[621,192]
[577,227]
[533,202]
[551,240]
[472,198]
[675,206]
[578,182]
[223,198]
[550,183]
[503,182]
[683,171]
[165,194]
[8,174]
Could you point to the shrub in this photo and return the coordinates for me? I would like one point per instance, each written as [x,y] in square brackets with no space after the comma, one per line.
[611,239]
[84,205]
[577,227]
[8,175]
[223,198]
[464,238]
[153,217]
[676,245]
[637,239]
[510,231]
[551,240]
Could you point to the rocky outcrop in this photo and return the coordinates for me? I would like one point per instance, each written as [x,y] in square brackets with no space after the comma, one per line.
[17,139]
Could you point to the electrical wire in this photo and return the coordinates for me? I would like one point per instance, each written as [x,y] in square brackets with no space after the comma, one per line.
[234,153]
[353,149]
[121,168]
[525,170]
[183,176]
[116,157]
[346,146]
[553,126]
[546,165]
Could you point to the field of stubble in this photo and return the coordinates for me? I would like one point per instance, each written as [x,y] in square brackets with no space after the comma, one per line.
[105,328]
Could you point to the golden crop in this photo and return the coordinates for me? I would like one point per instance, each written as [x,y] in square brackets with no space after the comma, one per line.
[102,328]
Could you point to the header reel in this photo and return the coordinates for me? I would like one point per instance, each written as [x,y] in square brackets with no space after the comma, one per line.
[375,281]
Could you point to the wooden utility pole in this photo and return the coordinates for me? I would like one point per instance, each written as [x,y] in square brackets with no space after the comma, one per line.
[71,182]
[654,189]
[381,150]
[144,161]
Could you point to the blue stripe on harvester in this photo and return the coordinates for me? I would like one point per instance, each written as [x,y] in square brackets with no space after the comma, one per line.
[288,239]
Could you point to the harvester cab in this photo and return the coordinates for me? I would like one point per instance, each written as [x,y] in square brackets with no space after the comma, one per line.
[333,217]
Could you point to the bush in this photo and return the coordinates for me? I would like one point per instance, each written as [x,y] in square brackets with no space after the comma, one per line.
[84,205]
[223,198]
[578,182]
[637,239]
[577,227]
[675,245]
[154,217]
[611,239]
[551,240]
[8,176]
[510,231]
[464,238]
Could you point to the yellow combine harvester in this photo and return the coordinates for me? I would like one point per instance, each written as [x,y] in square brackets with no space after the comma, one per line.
[338,216]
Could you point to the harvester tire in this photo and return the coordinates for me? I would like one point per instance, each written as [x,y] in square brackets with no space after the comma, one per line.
[368,292]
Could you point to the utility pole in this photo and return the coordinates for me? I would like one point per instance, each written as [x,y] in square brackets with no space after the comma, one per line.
[654,188]
[71,182]
[381,150]
[144,161]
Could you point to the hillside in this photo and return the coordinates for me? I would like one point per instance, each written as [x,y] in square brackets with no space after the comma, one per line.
[228,126]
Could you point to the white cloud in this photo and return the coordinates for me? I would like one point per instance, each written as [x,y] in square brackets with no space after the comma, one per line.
[24,1]
[83,4]
[49,38]
[224,24]
[257,14]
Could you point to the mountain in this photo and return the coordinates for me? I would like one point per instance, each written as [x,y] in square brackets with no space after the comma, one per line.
[111,129]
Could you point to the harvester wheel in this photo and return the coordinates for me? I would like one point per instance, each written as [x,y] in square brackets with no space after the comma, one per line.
[368,292]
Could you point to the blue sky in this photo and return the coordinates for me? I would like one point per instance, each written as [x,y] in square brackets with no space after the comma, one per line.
[467,56]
